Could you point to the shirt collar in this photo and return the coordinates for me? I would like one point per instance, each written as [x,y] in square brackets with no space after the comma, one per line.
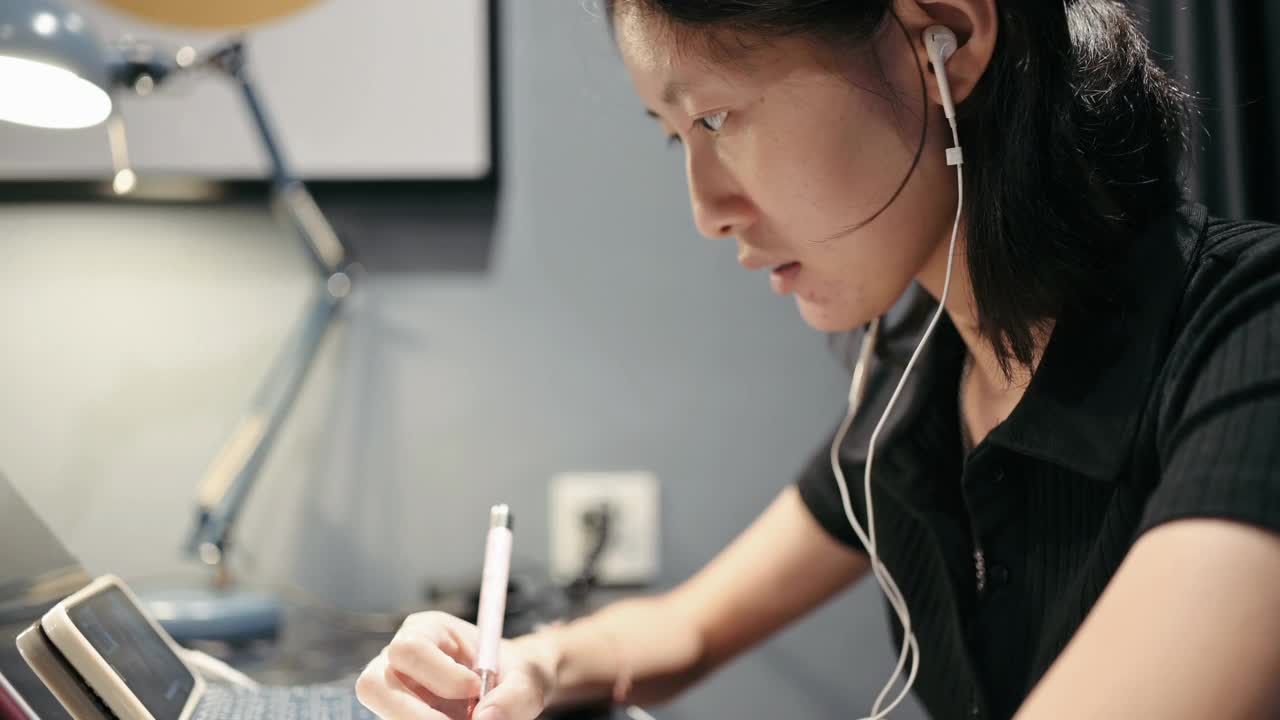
[1086,398]
[1082,407]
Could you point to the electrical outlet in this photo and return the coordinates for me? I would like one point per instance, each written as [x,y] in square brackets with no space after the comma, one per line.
[631,555]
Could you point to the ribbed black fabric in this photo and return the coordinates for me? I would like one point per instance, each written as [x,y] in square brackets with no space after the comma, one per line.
[1165,408]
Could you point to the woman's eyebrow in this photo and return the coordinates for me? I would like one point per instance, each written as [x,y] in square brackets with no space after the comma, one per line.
[673,91]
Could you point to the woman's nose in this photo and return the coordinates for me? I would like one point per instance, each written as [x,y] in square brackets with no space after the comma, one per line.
[720,208]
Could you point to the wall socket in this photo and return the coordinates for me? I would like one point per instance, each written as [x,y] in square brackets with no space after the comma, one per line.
[631,557]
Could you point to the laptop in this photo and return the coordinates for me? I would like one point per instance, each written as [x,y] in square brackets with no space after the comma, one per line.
[36,573]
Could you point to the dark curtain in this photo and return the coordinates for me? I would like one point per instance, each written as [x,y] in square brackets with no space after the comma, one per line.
[1227,53]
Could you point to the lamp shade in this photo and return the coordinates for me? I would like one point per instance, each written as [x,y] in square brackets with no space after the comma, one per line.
[53,71]
[207,15]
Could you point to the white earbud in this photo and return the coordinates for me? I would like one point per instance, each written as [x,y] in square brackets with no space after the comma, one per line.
[940,42]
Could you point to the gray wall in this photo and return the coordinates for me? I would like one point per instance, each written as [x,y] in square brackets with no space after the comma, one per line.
[606,336]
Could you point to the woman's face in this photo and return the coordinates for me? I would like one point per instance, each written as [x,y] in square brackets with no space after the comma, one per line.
[789,146]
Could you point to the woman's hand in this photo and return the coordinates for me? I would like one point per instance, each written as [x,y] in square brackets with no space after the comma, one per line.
[426,674]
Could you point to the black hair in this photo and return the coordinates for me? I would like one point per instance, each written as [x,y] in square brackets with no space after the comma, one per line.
[1074,142]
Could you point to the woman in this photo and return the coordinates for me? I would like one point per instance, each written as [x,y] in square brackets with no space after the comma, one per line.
[1076,491]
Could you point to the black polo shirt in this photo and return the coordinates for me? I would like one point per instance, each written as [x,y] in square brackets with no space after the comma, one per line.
[1167,408]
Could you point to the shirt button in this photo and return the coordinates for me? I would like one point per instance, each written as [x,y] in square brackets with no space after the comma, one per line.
[998,575]
[974,710]
[998,476]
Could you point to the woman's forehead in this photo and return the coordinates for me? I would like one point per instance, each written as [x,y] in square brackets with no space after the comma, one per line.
[645,41]
[670,61]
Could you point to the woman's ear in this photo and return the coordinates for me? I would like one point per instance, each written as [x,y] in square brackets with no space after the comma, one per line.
[975,23]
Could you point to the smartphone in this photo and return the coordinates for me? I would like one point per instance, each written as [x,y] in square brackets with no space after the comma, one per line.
[122,653]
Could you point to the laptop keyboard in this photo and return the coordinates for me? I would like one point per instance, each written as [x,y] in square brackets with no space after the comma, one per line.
[315,702]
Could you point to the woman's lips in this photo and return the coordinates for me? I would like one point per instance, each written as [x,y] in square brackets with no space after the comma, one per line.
[783,278]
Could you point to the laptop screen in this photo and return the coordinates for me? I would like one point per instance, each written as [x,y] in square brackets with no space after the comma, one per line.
[36,572]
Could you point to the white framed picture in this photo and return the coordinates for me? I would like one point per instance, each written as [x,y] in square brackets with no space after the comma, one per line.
[356,90]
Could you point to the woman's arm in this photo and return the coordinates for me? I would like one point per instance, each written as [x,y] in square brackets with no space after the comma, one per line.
[778,569]
[1189,628]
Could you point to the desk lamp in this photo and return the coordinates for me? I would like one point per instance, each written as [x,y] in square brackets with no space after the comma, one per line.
[54,73]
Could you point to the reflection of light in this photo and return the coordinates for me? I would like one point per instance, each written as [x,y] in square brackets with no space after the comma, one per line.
[339,284]
[186,56]
[74,22]
[144,85]
[162,610]
[45,95]
[45,23]
[210,554]
[125,181]
[36,591]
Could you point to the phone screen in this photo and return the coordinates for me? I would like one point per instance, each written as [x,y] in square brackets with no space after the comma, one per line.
[120,633]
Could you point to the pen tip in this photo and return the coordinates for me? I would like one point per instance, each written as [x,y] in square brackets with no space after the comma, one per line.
[500,516]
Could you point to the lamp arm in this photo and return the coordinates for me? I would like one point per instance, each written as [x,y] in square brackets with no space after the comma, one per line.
[289,194]
[229,479]
[227,482]
[141,68]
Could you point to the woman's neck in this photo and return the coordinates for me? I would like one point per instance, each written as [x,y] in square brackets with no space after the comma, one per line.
[987,394]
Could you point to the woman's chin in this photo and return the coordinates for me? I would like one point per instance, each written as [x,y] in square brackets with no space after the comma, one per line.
[827,319]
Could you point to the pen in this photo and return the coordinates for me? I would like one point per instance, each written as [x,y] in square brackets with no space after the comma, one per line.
[493,595]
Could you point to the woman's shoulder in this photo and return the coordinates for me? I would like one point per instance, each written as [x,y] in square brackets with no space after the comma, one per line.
[1228,316]
[1225,237]
[1233,255]
[1219,400]
[1227,267]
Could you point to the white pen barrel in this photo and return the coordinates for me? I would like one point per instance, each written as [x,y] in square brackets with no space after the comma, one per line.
[493,596]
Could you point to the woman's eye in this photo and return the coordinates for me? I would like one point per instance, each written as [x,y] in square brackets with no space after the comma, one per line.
[713,122]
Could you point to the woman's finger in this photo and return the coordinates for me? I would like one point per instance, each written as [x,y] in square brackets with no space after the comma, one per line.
[455,636]
[419,656]
[452,708]
[515,697]
[383,693]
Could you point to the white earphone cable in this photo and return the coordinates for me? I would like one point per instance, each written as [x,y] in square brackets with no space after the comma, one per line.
[910,646]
